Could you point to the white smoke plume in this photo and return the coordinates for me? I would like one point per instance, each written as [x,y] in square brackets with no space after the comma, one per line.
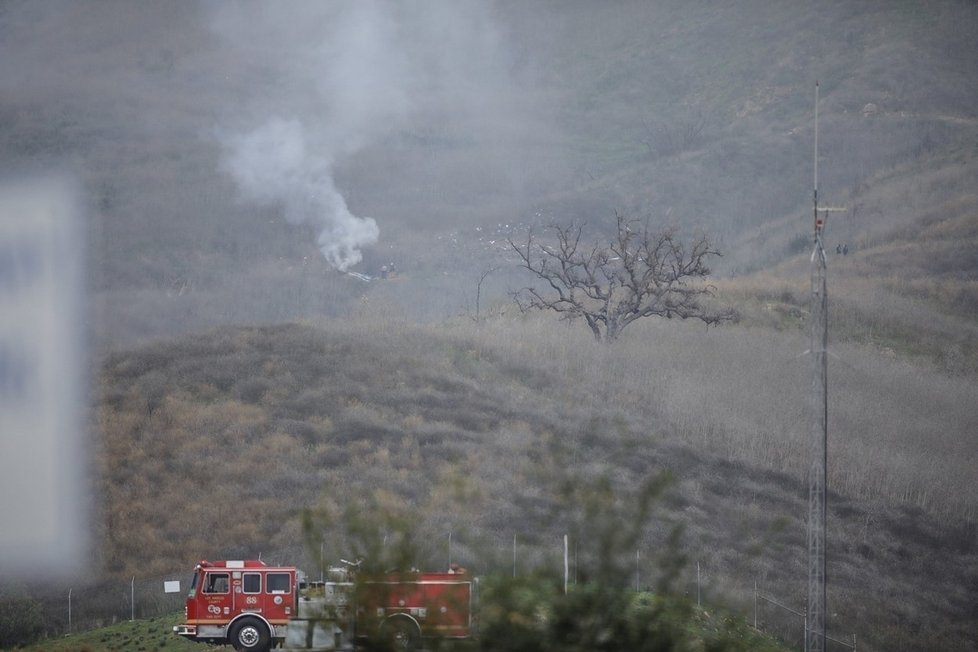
[343,69]
[315,83]
[272,165]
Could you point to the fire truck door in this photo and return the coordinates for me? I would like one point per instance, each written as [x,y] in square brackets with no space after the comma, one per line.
[217,596]
[248,593]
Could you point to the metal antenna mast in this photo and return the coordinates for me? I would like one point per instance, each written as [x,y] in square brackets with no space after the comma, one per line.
[818,450]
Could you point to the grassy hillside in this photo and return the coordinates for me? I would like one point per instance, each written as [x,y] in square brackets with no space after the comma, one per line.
[909,282]
[210,446]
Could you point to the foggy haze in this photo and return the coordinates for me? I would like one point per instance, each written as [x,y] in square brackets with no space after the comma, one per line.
[232,153]
[305,88]
[292,226]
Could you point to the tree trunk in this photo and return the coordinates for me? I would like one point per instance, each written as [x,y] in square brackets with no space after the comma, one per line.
[595,328]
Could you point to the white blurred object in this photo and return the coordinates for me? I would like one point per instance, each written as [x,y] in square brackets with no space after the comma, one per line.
[43,504]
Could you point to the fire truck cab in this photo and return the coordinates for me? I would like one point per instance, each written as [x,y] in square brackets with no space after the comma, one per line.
[246,604]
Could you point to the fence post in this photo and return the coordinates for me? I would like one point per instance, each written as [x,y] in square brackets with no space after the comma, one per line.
[566,565]
[697,584]
[755,603]
[638,584]
[132,599]
[514,556]
[69,610]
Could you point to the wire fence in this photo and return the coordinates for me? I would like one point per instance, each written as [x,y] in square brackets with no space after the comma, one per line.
[84,606]
[90,606]
[768,612]
[789,624]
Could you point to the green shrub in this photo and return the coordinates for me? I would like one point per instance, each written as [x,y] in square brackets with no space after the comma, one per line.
[21,620]
[535,615]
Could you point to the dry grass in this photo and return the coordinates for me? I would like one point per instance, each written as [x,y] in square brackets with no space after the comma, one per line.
[900,432]
[212,445]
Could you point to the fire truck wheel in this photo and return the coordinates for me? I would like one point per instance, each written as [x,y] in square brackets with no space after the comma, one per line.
[251,635]
[401,634]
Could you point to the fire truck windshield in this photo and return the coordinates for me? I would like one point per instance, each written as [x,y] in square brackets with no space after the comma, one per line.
[193,586]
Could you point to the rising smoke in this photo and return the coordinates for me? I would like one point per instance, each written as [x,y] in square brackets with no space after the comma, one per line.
[350,71]
[335,78]
[272,165]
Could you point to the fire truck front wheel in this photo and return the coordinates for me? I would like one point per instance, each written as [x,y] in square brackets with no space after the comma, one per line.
[251,635]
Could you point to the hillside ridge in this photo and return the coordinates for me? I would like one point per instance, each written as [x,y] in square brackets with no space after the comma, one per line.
[273,420]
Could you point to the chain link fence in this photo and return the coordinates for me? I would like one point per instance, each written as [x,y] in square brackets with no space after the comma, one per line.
[89,606]
[78,608]
[790,624]
[58,610]
[769,613]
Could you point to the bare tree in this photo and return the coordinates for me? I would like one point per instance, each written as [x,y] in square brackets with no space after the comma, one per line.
[639,274]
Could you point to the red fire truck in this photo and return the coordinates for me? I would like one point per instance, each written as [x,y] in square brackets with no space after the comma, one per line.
[252,607]
[245,603]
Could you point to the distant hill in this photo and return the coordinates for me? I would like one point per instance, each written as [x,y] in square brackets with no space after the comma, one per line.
[513,115]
